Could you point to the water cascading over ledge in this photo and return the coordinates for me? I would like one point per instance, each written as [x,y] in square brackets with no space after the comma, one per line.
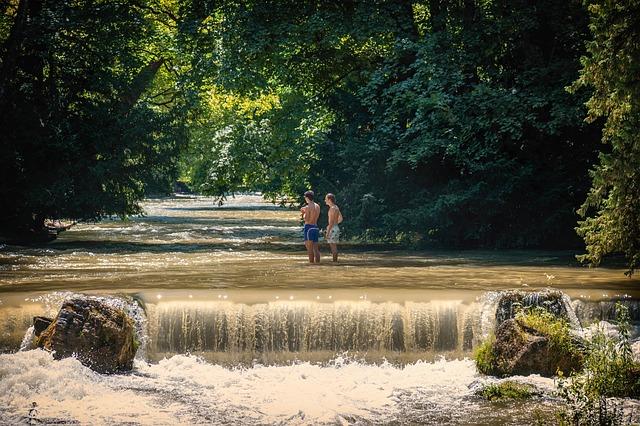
[252,327]
[305,327]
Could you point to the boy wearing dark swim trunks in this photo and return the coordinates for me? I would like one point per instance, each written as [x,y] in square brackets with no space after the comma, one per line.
[310,214]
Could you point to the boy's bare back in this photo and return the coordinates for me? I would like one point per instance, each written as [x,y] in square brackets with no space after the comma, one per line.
[335,216]
[311,212]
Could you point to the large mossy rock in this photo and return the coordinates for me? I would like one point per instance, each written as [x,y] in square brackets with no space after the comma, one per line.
[98,335]
[553,301]
[522,350]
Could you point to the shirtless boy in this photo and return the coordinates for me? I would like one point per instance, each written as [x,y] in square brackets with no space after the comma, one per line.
[310,214]
[333,230]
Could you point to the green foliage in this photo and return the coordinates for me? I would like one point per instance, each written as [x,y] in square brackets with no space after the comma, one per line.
[261,120]
[484,357]
[252,143]
[611,210]
[87,119]
[475,145]
[434,123]
[508,390]
[609,371]
[556,329]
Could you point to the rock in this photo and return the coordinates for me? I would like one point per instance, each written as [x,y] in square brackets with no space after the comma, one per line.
[98,335]
[605,327]
[520,350]
[40,324]
[630,408]
[635,350]
[552,300]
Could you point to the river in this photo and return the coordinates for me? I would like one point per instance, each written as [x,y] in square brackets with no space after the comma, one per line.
[237,328]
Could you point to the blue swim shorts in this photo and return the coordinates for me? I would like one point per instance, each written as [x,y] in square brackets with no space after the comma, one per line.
[311,233]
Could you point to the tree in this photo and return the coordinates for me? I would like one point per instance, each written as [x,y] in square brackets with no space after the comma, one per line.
[83,131]
[435,122]
[611,210]
[471,136]
[267,111]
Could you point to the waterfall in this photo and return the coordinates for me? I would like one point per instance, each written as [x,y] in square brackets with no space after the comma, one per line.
[302,326]
[604,310]
[285,330]
[27,340]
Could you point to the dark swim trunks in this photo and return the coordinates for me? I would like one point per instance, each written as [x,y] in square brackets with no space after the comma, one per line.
[311,233]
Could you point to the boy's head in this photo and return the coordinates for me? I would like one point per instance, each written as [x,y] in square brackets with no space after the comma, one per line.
[309,195]
[330,197]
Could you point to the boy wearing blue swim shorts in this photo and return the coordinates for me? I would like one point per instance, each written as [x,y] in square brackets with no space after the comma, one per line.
[310,214]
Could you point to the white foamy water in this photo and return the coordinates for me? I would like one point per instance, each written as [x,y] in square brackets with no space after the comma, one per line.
[187,390]
[65,390]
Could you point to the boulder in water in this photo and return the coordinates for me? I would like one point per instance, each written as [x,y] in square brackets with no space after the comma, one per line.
[553,301]
[98,335]
[521,350]
[40,324]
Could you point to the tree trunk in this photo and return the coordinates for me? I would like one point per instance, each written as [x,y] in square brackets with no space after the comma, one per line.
[12,46]
[140,83]
[437,12]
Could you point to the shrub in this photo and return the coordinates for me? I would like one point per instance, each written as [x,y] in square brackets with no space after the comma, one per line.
[609,371]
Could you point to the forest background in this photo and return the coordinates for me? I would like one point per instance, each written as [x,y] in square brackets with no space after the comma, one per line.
[466,124]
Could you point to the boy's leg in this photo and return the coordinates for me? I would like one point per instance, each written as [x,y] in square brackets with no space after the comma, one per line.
[316,251]
[334,251]
[309,245]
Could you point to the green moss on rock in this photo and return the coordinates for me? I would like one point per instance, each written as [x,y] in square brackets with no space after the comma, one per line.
[508,390]
[534,342]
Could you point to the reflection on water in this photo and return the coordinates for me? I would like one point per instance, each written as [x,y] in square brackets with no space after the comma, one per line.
[381,337]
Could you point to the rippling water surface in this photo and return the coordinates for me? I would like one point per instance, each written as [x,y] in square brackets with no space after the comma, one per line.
[193,243]
[237,328]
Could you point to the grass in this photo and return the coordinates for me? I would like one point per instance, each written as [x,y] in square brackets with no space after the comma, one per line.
[484,357]
[556,329]
[508,390]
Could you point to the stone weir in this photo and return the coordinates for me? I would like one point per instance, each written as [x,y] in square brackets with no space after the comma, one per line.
[438,327]
[229,331]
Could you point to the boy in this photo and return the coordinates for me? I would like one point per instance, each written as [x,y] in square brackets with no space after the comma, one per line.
[310,214]
[333,230]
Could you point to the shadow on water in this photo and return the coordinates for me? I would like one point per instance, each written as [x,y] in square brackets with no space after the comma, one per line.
[219,221]
[383,255]
[260,207]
